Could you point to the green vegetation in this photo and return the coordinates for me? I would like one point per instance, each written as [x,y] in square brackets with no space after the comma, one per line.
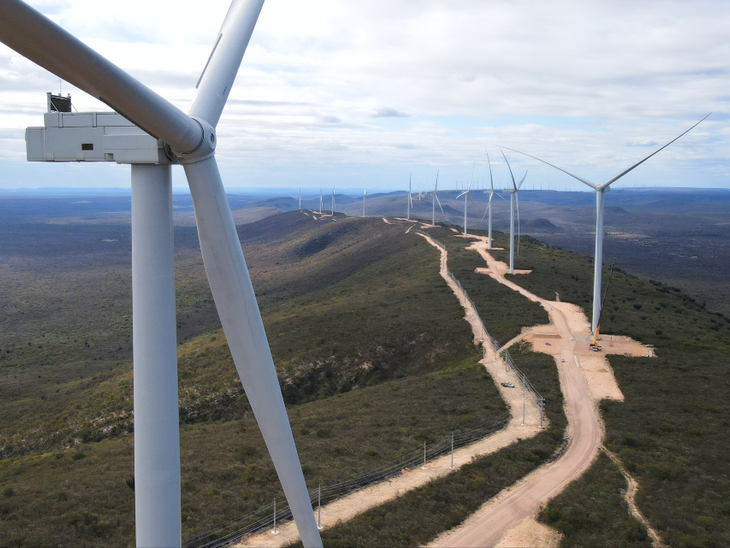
[373,362]
[592,513]
[421,514]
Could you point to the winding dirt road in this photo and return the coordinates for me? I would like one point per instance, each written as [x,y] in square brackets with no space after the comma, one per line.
[494,519]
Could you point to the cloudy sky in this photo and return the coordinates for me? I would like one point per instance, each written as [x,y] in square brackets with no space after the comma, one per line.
[348,94]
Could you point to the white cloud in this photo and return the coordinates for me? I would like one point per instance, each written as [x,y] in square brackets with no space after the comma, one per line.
[356,92]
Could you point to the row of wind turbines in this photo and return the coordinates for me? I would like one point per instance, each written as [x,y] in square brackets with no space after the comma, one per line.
[513,192]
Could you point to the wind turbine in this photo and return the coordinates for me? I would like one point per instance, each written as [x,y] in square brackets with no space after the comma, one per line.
[600,191]
[333,202]
[467,196]
[300,198]
[166,135]
[409,199]
[364,196]
[434,200]
[320,200]
[513,200]
[489,204]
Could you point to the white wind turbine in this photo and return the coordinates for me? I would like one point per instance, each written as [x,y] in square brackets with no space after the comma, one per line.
[600,191]
[514,200]
[333,202]
[488,210]
[435,200]
[364,196]
[467,196]
[321,204]
[300,198]
[409,199]
[167,136]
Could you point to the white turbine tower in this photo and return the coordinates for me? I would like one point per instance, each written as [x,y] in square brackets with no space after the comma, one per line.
[167,136]
[300,198]
[409,199]
[514,200]
[321,204]
[600,190]
[488,211]
[435,200]
[467,196]
[333,202]
[364,196]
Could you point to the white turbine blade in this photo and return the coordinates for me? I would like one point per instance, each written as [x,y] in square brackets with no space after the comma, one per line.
[510,171]
[239,313]
[220,71]
[468,195]
[491,179]
[592,185]
[460,195]
[523,180]
[439,203]
[500,196]
[436,186]
[471,178]
[34,36]
[637,164]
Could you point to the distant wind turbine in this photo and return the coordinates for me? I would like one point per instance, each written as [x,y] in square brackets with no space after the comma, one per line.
[467,196]
[600,190]
[488,211]
[513,200]
[333,202]
[320,200]
[434,200]
[364,196]
[300,198]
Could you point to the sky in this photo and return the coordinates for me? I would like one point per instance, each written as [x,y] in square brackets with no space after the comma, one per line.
[348,94]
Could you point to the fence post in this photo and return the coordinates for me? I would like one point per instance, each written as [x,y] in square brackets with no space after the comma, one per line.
[274,532]
[424,457]
[452,450]
[319,506]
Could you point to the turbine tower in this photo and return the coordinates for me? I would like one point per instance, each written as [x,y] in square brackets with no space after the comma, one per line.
[467,196]
[300,198]
[513,200]
[600,192]
[488,211]
[321,205]
[333,202]
[434,200]
[165,135]
[364,196]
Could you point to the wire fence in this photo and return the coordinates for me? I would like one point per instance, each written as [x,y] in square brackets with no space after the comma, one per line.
[263,518]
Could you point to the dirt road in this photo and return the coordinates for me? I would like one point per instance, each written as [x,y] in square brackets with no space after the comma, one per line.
[567,342]
[348,507]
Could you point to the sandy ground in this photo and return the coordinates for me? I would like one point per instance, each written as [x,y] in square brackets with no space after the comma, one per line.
[529,533]
[585,378]
[350,506]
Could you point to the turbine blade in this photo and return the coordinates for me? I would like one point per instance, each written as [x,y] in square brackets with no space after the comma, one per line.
[486,210]
[637,164]
[523,180]
[460,195]
[220,71]
[436,186]
[42,41]
[239,313]
[510,171]
[592,185]
[491,179]
[439,203]
[468,188]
